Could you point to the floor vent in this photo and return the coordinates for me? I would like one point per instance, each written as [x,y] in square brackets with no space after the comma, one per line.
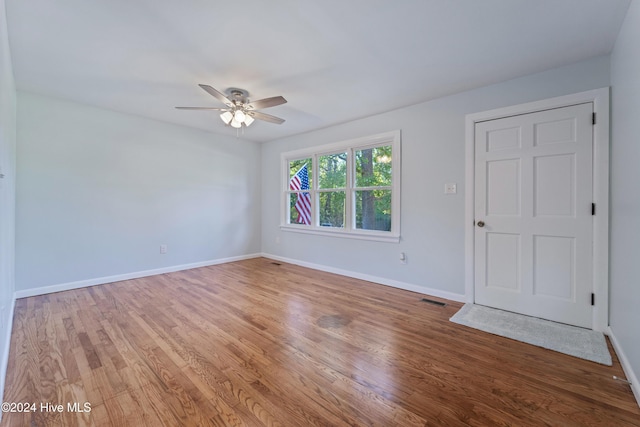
[430,301]
[276,263]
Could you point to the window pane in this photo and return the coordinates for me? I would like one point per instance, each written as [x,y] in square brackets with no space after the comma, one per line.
[332,171]
[300,174]
[373,167]
[373,210]
[300,208]
[331,208]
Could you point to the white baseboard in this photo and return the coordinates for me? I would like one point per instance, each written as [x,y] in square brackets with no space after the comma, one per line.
[4,362]
[127,276]
[626,366]
[375,279]
[138,274]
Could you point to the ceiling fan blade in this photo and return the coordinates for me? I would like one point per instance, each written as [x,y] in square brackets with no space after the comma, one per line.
[201,108]
[267,102]
[218,95]
[266,117]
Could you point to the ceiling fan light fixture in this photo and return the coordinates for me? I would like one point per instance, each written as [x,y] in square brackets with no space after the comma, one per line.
[248,119]
[239,116]
[236,124]
[226,117]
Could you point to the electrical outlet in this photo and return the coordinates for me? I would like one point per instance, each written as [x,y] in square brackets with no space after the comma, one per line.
[450,188]
[163,249]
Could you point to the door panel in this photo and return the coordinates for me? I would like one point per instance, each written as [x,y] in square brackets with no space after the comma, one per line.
[554,185]
[554,264]
[502,139]
[555,131]
[503,261]
[503,187]
[533,193]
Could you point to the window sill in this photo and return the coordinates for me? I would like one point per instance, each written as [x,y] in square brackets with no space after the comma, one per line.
[361,235]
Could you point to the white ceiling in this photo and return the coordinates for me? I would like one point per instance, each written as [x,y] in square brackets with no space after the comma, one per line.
[333,60]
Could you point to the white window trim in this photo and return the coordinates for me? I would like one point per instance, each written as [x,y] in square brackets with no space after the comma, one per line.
[349,231]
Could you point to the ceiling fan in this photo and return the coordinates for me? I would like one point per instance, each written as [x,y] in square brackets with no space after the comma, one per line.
[239,111]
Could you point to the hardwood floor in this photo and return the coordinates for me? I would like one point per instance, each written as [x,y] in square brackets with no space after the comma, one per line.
[260,343]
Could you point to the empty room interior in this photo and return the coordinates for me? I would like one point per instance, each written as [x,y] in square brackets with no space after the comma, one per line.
[296,213]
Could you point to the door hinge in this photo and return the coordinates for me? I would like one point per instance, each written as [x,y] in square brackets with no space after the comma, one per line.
[593,298]
[593,208]
[593,118]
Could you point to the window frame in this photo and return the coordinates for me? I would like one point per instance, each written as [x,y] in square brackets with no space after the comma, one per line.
[349,230]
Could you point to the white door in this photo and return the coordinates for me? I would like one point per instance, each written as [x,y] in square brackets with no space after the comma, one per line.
[533,213]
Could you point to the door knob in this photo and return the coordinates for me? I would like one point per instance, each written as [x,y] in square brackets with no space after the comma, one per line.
[480,224]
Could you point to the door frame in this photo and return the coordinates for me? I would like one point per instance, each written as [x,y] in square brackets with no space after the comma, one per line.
[600,100]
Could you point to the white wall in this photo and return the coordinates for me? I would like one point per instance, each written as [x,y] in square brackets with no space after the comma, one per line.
[625,198]
[7,193]
[98,192]
[432,155]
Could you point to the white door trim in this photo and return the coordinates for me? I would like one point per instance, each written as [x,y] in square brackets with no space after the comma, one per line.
[600,99]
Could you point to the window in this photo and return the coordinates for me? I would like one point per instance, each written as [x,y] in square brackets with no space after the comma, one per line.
[299,199]
[349,189]
[332,186]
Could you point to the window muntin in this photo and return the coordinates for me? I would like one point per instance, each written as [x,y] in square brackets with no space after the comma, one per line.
[354,188]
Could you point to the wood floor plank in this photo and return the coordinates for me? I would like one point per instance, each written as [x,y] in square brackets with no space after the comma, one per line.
[259,343]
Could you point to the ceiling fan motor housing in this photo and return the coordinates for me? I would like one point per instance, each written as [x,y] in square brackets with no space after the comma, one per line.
[239,96]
